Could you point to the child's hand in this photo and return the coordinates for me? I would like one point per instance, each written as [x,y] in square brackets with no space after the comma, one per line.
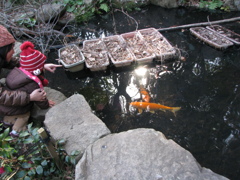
[51,67]
[51,103]
[38,95]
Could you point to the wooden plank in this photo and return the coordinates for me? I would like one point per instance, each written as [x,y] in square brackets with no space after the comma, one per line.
[199,24]
[51,149]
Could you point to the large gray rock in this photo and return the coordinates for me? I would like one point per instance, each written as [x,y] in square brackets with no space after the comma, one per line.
[48,12]
[142,2]
[137,3]
[234,5]
[66,18]
[124,3]
[73,121]
[27,14]
[53,95]
[165,3]
[140,154]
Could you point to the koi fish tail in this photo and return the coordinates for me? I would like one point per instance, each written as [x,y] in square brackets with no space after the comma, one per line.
[175,109]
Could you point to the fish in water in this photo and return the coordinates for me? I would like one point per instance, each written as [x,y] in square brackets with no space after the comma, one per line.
[153,106]
[145,95]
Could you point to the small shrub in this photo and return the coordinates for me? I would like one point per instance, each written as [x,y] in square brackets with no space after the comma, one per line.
[85,12]
[27,157]
[212,5]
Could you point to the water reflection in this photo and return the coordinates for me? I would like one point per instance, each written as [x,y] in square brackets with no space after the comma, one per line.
[213,65]
[196,69]
[138,79]
[132,90]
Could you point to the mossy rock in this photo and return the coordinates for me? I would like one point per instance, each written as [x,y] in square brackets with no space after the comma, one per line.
[127,5]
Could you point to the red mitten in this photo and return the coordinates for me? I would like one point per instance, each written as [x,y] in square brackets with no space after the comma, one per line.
[44,80]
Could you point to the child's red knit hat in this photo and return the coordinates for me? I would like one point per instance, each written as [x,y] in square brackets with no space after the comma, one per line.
[30,59]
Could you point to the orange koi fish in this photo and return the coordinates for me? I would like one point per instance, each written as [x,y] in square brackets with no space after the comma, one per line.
[145,95]
[153,106]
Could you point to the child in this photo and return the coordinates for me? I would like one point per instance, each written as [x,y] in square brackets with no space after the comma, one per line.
[28,77]
[15,98]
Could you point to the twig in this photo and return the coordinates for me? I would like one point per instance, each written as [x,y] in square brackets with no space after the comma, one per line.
[36,33]
[114,22]
[129,17]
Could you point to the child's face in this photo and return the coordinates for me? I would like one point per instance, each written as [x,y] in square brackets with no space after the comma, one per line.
[9,55]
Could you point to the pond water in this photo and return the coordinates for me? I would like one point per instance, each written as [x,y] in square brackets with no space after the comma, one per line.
[205,86]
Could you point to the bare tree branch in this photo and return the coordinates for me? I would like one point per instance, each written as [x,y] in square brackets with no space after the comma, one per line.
[25,22]
[200,24]
[129,17]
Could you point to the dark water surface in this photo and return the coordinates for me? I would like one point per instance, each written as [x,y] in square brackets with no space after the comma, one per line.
[205,86]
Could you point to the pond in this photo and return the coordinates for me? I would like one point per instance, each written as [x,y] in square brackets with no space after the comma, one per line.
[205,85]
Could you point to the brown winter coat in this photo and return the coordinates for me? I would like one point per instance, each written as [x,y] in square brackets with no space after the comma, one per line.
[17,98]
[18,81]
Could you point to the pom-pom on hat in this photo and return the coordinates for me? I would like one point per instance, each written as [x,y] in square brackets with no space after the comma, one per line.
[5,37]
[30,59]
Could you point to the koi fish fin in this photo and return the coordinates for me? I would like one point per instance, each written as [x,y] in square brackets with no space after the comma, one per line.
[140,111]
[175,109]
[147,98]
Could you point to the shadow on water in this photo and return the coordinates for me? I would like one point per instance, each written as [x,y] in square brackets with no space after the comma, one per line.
[205,86]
